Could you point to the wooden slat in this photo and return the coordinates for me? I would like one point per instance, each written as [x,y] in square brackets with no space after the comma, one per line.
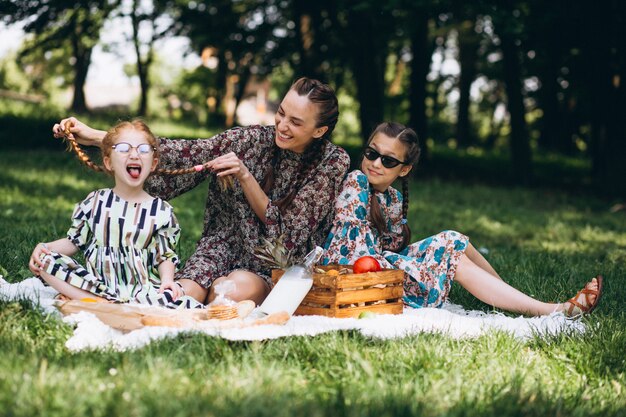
[320,298]
[367,279]
[389,308]
[386,276]
[371,294]
[315,311]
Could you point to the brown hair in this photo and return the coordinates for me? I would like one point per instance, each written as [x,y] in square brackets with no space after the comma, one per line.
[328,113]
[409,138]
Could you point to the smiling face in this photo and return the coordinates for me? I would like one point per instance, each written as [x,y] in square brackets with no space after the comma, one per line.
[296,121]
[130,169]
[379,176]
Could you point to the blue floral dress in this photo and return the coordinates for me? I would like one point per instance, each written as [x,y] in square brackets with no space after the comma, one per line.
[430,264]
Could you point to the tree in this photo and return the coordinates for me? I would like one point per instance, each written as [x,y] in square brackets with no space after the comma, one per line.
[156,19]
[62,23]
[508,27]
[239,39]
[604,53]
[468,42]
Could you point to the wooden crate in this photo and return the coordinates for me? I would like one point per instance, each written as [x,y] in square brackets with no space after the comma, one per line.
[349,295]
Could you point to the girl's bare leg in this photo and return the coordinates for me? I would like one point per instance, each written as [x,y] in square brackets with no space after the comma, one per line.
[68,290]
[480,260]
[493,291]
[248,286]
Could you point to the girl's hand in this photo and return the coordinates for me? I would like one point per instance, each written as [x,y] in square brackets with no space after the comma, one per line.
[35,263]
[176,289]
[75,129]
[229,164]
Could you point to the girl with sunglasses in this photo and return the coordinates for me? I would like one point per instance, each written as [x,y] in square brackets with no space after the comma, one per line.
[127,236]
[371,219]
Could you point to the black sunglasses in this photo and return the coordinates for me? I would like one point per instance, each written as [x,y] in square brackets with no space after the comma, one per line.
[387,161]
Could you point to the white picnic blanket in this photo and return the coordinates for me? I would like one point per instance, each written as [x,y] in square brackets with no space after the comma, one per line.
[451,320]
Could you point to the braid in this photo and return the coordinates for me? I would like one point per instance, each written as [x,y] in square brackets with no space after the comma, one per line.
[224,183]
[268,179]
[376,213]
[82,156]
[312,156]
[406,230]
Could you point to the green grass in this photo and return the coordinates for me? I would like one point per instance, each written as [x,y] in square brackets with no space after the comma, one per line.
[545,242]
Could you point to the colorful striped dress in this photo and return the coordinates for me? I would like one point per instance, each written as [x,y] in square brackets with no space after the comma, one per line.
[430,264]
[123,244]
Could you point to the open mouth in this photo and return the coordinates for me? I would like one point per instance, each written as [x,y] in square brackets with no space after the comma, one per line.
[133,170]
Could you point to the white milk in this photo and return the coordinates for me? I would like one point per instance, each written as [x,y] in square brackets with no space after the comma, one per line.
[289,292]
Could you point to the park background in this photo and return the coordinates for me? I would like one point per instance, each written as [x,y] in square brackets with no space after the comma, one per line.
[519,106]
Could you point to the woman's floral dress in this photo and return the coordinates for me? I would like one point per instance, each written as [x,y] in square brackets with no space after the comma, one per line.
[231,228]
[123,244]
[430,264]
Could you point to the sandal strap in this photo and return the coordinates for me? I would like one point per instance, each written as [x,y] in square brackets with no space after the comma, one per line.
[589,305]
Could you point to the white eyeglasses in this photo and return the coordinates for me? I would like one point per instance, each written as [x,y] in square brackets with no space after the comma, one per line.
[143,149]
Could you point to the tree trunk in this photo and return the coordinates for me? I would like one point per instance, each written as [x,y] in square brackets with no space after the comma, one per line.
[244,77]
[550,131]
[142,67]
[556,127]
[81,68]
[218,117]
[144,82]
[468,47]
[422,56]
[608,105]
[368,69]
[520,144]
[306,16]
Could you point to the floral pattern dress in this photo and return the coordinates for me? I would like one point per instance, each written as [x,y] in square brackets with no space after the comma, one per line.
[231,228]
[430,264]
[123,244]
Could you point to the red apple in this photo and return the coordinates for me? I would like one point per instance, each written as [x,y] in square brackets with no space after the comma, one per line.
[366,264]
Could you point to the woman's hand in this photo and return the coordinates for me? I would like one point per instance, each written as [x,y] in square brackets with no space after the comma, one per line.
[229,164]
[35,263]
[170,284]
[75,129]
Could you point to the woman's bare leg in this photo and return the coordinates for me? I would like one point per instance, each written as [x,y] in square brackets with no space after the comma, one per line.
[68,290]
[480,260]
[248,286]
[493,291]
[193,289]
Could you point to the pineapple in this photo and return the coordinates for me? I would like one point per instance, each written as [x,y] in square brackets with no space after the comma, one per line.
[274,253]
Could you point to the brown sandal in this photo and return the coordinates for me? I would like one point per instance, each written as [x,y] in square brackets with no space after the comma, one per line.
[576,308]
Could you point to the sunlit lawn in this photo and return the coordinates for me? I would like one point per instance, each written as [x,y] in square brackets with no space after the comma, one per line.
[545,242]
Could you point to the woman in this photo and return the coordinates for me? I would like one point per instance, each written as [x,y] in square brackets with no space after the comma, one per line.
[288,176]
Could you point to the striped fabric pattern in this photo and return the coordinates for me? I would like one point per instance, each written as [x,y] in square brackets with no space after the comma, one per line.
[123,244]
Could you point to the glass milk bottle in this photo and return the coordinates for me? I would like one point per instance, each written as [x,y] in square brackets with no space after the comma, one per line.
[293,286]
